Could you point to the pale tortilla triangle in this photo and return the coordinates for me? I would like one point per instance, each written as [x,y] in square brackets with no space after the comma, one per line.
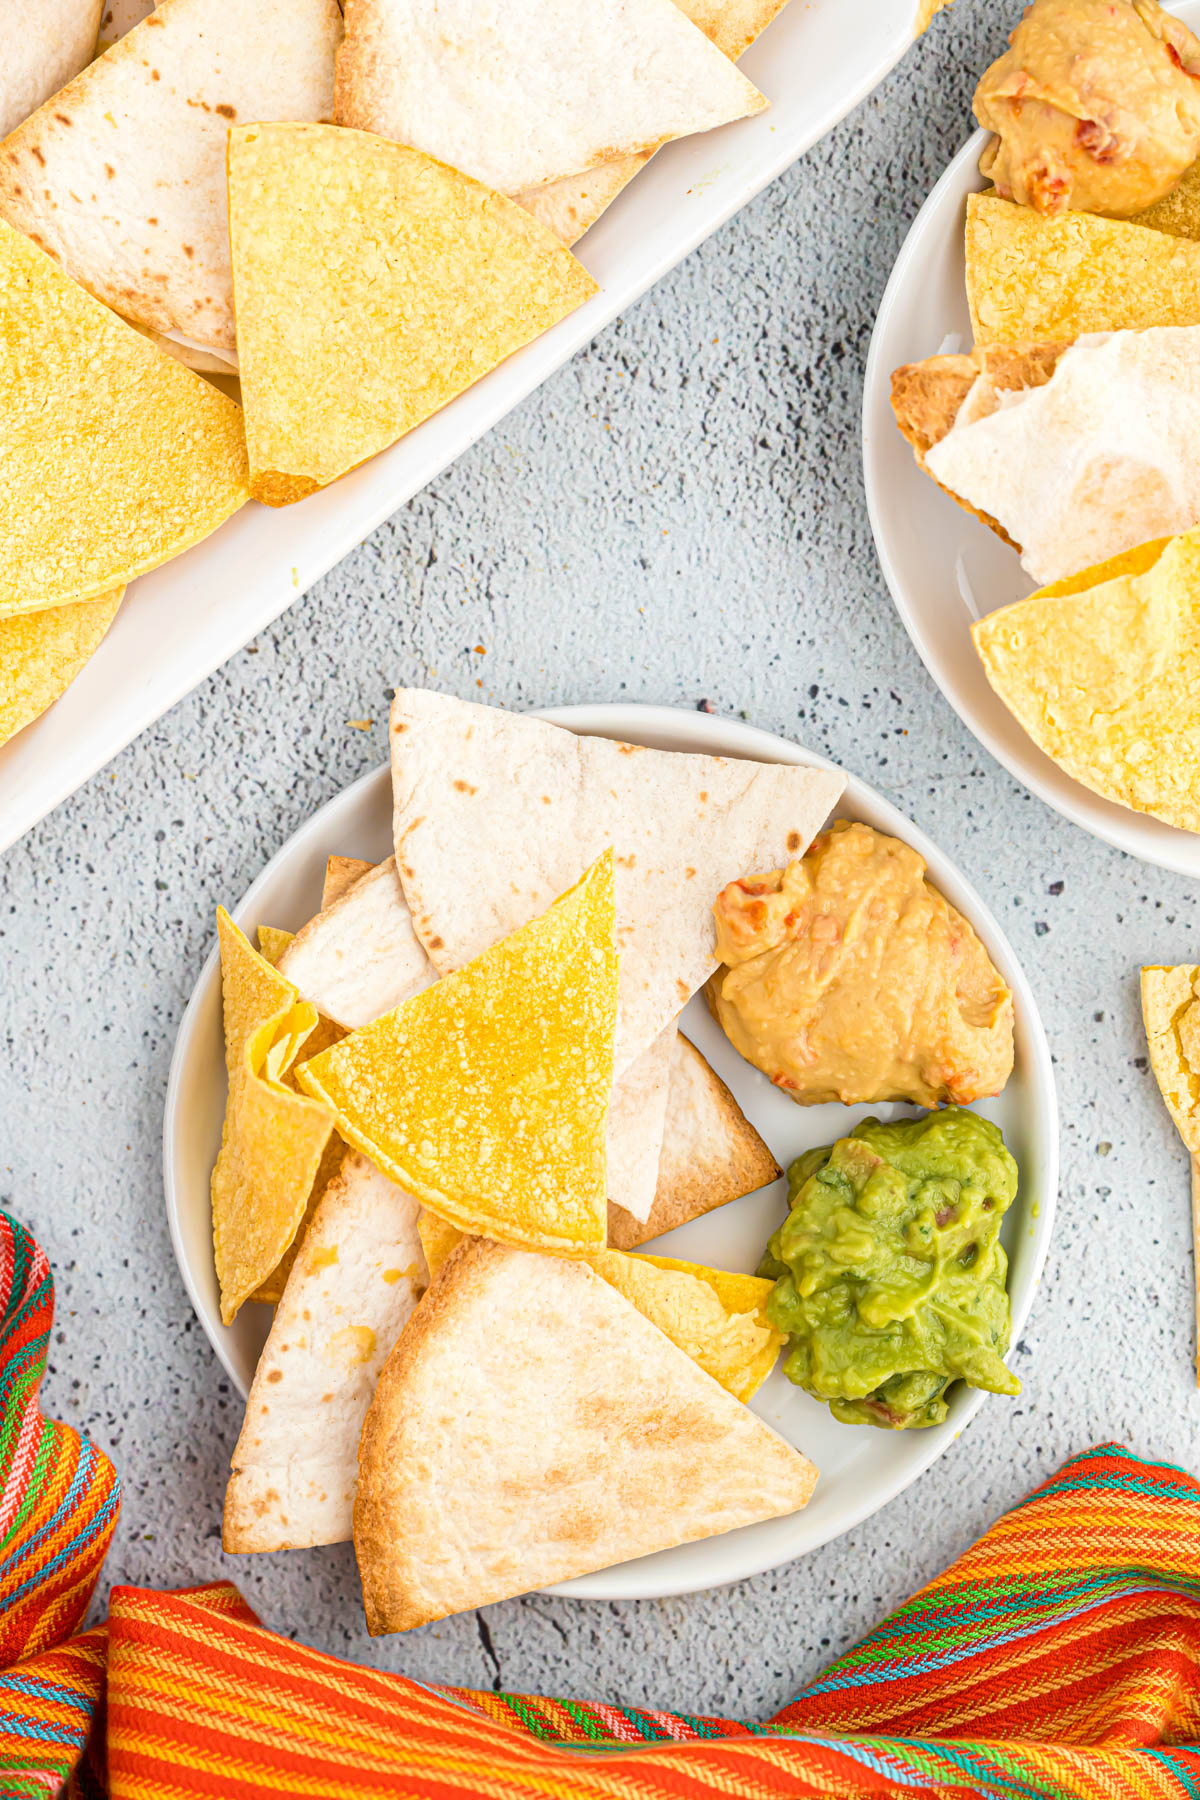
[356,1280]
[569,206]
[43,47]
[122,176]
[495,813]
[113,457]
[1103,672]
[519,96]
[637,1115]
[516,1365]
[341,873]
[711,1153]
[373,285]
[487,1094]
[360,957]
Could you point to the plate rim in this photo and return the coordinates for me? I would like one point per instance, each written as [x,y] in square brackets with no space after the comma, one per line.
[624,718]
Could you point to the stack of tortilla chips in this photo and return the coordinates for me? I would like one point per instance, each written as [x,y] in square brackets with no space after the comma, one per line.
[457,1098]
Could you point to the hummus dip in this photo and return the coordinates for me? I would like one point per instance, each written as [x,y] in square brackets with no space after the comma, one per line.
[848,977]
[1095,107]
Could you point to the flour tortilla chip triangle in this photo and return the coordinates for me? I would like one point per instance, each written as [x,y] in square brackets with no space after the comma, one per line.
[495,813]
[518,96]
[356,1280]
[41,653]
[530,1426]
[486,1095]
[570,205]
[373,285]
[1103,672]
[113,457]
[121,177]
[711,1153]
[44,45]
[272,1139]
[360,957]
[637,1115]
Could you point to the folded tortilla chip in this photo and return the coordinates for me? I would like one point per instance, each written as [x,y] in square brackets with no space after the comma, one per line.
[356,1280]
[270,1289]
[487,1094]
[1103,456]
[495,813]
[1035,280]
[360,957]
[273,1138]
[113,457]
[44,45]
[373,285]
[42,653]
[711,1153]
[717,1317]
[122,176]
[1103,672]
[529,1426]
[341,873]
[519,96]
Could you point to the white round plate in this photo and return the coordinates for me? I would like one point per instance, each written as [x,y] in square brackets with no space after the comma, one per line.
[861,1468]
[943,566]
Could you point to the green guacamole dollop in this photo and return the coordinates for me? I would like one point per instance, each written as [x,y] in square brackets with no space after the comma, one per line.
[889,1272]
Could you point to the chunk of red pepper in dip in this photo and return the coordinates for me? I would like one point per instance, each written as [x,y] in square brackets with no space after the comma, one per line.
[1095,107]
[848,976]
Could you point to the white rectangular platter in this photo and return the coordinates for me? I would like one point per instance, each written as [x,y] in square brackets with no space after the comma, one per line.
[816,61]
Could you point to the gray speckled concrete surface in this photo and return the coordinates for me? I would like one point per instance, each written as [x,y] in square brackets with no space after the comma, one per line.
[676,517]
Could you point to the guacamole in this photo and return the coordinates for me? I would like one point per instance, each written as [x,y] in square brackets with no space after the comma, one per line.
[889,1273]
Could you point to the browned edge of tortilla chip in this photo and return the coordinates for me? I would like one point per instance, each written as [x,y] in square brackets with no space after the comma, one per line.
[341,874]
[275,488]
[688,1185]
[926,397]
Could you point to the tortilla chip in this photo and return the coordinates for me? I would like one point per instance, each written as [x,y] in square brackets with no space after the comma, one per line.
[711,1153]
[341,873]
[1034,280]
[121,177]
[569,206]
[360,957]
[113,457]
[373,285]
[486,1096]
[1103,672]
[613,77]
[272,1139]
[356,1281]
[529,1426]
[44,45]
[272,943]
[927,13]
[1171,1012]
[495,813]
[42,653]
[637,1114]
[1178,213]
[118,17]
[269,1291]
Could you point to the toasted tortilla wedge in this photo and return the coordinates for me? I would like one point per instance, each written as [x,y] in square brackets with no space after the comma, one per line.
[341,873]
[497,813]
[122,177]
[487,1094]
[373,285]
[356,1280]
[44,46]
[360,957]
[637,1115]
[41,654]
[461,1503]
[928,396]
[112,458]
[517,97]
[1103,672]
[711,1153]
[1033,280]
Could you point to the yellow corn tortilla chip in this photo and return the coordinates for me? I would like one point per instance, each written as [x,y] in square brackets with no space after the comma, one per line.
[371,284]
[272,942]
[1103,672]
[1171,1013]
[273,1138]
[341,874]
[42,653]
[718,1317]
[113,457]
[486,1096]
[1177,213]
[1034,280]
